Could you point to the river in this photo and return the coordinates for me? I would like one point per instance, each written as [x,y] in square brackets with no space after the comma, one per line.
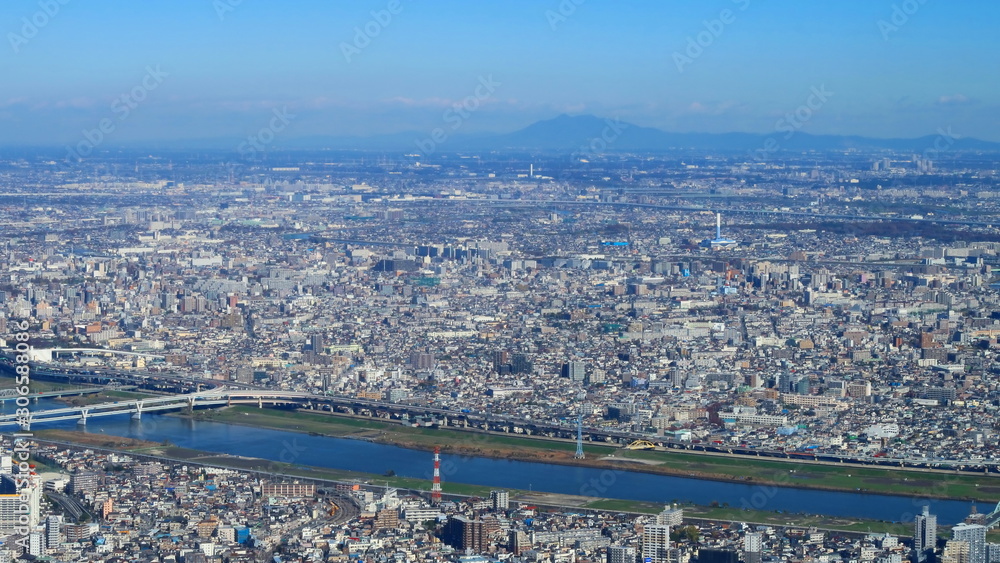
[358,455]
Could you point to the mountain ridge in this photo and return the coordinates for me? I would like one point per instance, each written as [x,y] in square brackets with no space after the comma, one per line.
[588,134]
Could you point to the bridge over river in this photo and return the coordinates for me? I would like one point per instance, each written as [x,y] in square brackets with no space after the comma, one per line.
[135,407]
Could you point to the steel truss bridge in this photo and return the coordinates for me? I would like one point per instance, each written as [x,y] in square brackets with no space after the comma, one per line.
[135,407]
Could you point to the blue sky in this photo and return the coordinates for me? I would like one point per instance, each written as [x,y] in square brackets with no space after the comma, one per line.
[220,68]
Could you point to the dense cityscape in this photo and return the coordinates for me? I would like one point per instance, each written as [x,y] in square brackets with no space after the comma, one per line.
[531,281]
[828,307]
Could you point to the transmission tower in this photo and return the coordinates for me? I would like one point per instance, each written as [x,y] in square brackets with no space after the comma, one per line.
[436,483]
[579,436]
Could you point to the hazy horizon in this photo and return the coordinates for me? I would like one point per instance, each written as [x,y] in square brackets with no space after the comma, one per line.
[207,69]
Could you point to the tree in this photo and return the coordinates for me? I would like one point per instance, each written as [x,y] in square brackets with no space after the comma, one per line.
[689,533]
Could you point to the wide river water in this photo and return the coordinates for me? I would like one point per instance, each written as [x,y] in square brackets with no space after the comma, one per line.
[358,455]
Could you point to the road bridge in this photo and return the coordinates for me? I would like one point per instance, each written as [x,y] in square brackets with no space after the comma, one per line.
[135,407]
[12,394]
[993,518]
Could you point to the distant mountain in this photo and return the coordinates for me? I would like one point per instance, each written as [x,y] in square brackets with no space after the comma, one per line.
[584,134]
[588,133]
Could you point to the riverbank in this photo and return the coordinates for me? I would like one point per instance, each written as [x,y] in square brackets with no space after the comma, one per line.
[736,469]
[560,501]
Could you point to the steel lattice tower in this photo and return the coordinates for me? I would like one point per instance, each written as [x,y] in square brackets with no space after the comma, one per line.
[579,437]
[436,484]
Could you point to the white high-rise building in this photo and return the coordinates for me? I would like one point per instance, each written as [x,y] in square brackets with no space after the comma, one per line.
[53,525]
[671,516]
[924,534]
[500,500]
[753,547]
[993,553]
[656,543]
[14,501]
[975,536]
[36,545]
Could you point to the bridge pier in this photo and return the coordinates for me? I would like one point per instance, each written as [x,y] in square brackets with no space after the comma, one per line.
[138,411]
[260,402]
[83,416]
[190,406]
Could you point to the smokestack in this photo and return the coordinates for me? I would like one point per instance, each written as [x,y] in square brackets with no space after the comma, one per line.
[718,226]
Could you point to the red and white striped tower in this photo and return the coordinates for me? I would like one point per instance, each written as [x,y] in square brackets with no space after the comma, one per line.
[436,484]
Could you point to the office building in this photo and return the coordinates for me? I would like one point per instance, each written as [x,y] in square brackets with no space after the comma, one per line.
[35,544]
[574,371]
[11,502]
[85,482]
[518,542]
[387,518]
[421,360]
[655,543]
[595,376]
[53,537]
[924,534]
[993,553]
[975,536]
[500,500]
[670,516]
[753,547]
[464,534]
[521,363]
[955,552]
[621,554]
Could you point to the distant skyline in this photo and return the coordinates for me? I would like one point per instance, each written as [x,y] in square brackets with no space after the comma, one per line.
[121,72]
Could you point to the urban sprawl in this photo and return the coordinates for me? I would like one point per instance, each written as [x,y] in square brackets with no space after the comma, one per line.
[829,307]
